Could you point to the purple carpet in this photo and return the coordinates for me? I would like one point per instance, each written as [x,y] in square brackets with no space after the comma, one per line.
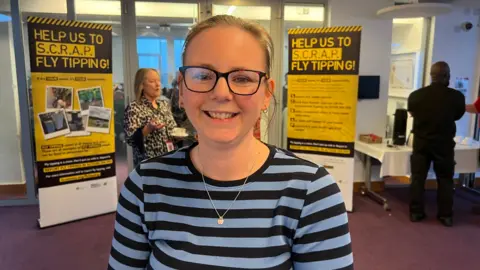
[381,240]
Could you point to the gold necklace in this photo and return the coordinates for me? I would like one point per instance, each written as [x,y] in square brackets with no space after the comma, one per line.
[220,217]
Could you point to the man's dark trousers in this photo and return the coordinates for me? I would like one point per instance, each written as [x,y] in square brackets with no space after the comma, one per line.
[441,153]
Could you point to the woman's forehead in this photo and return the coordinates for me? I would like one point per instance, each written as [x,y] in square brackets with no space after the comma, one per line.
[151,75]
[226,47]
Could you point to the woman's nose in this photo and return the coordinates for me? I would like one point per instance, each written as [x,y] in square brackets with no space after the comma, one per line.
[221,90]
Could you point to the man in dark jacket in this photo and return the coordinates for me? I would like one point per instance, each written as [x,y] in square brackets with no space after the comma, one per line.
[435,109]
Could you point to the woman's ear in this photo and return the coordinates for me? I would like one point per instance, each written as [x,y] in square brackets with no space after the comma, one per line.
[180,86]
[270,89]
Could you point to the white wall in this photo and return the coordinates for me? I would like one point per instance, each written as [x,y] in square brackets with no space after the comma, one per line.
[408,36]
[10,159]
[460,50]
[374,59]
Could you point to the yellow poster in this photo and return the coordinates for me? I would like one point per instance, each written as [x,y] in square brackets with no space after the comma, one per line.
[72,96]
[323,90]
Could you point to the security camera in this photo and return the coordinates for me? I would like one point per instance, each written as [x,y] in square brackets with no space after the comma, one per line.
[467,26]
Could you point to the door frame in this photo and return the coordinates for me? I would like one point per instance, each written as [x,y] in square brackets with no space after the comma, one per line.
[26,134]
[129,30]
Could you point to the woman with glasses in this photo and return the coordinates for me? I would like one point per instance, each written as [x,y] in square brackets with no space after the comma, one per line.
[229,201]
[148,121]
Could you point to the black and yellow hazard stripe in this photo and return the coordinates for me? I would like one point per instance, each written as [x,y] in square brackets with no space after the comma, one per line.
[52,21]
[334,29]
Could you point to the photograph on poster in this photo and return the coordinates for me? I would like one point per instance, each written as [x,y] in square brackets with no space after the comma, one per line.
[58,97]
[77,123]
[54,124]
[89,97]
[99,119]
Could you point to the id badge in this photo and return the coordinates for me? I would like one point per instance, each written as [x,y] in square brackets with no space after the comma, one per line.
[170,146]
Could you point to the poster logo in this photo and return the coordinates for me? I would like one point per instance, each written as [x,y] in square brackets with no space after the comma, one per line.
[54,47]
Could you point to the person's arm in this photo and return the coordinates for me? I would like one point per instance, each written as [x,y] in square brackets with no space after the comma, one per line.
[130,246]
[473,108]
[410,105]
[170,123]
[322,238]
[460,106]
[135,130]
[470,108]
[131,125]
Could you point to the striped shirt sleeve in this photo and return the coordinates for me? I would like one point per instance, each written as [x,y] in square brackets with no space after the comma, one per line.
[322,238]
[130,246]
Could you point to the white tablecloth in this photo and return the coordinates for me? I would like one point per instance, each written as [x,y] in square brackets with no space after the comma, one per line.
[396,161]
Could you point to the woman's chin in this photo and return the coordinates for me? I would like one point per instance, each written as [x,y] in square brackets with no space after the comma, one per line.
[223,137]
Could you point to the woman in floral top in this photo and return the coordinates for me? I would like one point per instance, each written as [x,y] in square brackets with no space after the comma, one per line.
[148,120]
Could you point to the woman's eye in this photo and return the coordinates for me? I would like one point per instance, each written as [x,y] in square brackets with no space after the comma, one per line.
[202,77]
[242,79]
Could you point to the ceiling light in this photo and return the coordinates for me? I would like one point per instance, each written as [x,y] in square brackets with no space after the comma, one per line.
[414,10]
[148,27]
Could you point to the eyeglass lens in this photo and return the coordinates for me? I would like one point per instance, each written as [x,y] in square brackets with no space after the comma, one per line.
[242,82]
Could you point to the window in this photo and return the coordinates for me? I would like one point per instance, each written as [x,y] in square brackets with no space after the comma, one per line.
[178,49]
[10,152]
[151,52]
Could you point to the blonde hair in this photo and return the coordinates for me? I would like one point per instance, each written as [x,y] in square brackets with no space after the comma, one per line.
[139,78]
[253,28]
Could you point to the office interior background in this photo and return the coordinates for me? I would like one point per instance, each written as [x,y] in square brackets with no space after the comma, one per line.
[151,34]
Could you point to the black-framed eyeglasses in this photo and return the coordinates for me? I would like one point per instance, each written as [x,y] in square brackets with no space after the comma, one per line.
[242,82]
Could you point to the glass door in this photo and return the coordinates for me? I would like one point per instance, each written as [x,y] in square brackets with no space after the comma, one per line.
[161,30]
[16,158]
[109,12]
[12,179]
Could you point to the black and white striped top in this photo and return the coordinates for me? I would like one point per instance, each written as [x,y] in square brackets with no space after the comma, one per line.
[290,215]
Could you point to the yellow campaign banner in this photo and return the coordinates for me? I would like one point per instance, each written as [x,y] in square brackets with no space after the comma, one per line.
[323,90]
[72,96]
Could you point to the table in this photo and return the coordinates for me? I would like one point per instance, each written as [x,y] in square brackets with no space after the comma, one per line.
[395,161]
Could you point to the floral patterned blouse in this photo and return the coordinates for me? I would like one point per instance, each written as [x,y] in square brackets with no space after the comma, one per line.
[137,115]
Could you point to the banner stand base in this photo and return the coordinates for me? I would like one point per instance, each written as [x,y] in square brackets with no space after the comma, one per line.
[72,221]
[76,201]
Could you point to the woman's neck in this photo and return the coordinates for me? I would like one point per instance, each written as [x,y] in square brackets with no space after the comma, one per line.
[152,100]
[232,162]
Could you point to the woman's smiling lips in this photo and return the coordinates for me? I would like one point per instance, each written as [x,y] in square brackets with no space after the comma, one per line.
[221,116]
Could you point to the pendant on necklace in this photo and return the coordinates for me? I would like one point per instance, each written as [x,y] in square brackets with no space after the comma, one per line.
[220,221]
